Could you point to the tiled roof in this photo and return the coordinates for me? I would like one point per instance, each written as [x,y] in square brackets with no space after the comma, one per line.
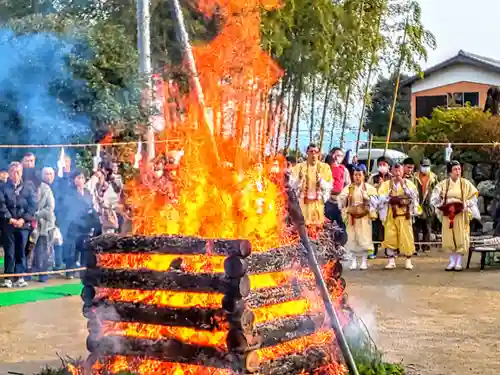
[462,57]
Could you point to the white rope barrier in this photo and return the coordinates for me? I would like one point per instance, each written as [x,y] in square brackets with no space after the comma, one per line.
[7,275]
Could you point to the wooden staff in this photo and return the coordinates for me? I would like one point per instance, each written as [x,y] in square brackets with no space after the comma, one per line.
[295,213]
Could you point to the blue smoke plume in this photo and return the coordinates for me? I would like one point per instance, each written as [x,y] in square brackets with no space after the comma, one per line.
[37,91]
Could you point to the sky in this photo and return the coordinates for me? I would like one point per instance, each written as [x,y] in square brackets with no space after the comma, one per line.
[472,26]
[462,24]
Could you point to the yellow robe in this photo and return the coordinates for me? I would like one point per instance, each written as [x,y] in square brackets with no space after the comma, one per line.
[398,231]
[458,238]
[307,177]
[359,230]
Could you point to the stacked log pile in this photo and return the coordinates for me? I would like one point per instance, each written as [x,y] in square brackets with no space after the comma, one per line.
[212,303]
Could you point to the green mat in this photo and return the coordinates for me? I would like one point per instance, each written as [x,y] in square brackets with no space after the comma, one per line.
[40,294]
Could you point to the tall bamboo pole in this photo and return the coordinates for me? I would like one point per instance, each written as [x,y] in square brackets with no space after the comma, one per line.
[349,88]
[346,109]
[363,108]
[369,161]
[367,86]
[396,87]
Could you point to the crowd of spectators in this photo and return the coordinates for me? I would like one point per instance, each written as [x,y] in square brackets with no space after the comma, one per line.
[46,219]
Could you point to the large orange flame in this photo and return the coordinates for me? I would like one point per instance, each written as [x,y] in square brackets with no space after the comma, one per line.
[229,192]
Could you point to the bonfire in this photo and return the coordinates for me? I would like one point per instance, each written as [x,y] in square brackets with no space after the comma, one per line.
[212,281]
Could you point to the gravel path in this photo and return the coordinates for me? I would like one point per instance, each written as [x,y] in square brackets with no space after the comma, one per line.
[435,322]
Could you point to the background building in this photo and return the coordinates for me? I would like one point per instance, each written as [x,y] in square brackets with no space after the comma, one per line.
[464,78]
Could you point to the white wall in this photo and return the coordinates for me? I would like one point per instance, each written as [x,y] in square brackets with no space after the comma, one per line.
[454,74]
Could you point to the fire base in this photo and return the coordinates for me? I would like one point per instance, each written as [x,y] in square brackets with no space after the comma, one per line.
[166,303]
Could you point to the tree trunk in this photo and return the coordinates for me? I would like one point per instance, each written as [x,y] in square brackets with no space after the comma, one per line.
[363,108]
[346,110]
[278,112]
[328,87]
[35,6]
[297,125]
[313,102]
[335,117]
[287,122]
[296,97]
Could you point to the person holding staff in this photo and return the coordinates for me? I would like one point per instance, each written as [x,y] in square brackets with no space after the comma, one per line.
[398,204]
[455,200]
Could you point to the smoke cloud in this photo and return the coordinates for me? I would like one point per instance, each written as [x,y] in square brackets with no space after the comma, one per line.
[37,88]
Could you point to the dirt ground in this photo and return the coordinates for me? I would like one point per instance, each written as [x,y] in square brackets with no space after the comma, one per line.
[434,322]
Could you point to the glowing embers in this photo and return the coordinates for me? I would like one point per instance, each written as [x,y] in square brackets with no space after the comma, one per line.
[145,366]
[162,262]
[285,310]
[320,338]
[279,278]
[314,354]
[159,332]
[163,298]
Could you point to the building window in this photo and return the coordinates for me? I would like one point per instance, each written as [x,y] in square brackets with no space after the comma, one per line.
[460,99]
[426,104]
[472,98]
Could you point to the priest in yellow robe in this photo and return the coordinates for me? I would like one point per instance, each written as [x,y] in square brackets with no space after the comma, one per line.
[398,204]
[313,180]
[358,203]
[455,200]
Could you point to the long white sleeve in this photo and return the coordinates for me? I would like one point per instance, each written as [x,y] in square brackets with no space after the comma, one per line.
[325,188]
[472,207]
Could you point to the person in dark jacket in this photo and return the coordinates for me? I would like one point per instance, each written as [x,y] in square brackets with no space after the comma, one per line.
[81,220]
[17,216]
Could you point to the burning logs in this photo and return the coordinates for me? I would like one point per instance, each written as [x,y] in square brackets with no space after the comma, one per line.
[209,303]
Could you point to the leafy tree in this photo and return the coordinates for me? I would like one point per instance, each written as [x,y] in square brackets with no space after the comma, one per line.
[460,125]
[67,82]
[13,9]
[377,114]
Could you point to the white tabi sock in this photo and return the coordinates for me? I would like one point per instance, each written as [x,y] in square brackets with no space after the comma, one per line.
[459,260]
[354,263]
[453,261]
[364,262]
[391,263]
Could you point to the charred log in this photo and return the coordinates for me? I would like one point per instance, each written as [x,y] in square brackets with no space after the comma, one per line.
[277,332]
[233,305]
[271,296]
[181,245]
[276,259]
[307,361]
[164,350]
[235,267]
[240,342]
[251,362]
[244,322]
[204,319]
[176,281]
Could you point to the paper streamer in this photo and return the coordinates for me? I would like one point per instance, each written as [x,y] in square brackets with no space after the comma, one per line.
[447,153]
[138,155]
[97,158]
[61,163]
